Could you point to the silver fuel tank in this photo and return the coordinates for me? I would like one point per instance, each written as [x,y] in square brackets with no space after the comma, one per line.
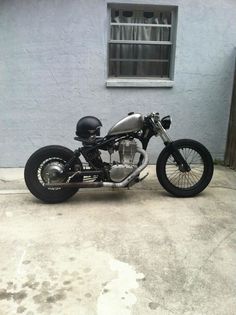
[131,123]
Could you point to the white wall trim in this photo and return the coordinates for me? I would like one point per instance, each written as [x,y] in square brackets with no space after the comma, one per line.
[115,82]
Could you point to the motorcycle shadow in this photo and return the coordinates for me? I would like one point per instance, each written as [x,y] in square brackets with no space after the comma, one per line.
[106,197]
[133,196]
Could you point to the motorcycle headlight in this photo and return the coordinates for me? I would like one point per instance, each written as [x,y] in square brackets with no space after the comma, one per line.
[166,122]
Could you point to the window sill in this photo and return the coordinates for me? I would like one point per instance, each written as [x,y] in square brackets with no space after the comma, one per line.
[117,82]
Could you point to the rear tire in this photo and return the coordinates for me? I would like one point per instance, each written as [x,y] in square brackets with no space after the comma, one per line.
[190,183]
[32,173]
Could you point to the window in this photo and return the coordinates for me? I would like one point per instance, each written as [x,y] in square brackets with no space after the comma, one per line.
[141,42]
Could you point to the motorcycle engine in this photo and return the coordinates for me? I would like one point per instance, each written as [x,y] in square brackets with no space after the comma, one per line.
[127,150]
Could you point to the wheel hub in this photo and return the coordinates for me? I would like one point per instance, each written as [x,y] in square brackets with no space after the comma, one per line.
[183,169]
[53,172]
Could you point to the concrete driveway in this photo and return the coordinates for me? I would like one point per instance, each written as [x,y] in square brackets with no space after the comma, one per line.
[137,251]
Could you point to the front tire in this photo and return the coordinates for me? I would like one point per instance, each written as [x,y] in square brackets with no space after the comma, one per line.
[37,169]
[175,179]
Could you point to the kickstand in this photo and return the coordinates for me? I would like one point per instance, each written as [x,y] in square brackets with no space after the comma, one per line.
[142,178]
[136,180]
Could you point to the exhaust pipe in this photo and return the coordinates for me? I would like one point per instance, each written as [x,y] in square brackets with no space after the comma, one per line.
[75,185]
[124,183]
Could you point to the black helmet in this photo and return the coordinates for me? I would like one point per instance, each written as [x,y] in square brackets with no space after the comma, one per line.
[88,126]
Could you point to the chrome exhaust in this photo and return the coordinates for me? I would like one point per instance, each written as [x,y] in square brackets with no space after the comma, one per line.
[75,185]
[124,183]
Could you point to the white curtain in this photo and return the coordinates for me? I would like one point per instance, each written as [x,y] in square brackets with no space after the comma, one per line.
[138,51]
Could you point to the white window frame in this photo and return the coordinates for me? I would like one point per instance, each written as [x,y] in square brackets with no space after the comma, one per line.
[144,81]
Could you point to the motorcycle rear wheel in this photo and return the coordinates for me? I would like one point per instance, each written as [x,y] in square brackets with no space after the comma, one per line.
[175,179]
[49,159]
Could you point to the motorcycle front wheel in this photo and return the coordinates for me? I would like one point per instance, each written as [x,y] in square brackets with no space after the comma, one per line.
[175,179]
[46,166]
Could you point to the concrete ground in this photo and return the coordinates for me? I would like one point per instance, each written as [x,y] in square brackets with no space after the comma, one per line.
[137,251]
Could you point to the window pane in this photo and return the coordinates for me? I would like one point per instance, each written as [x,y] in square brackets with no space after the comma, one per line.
[139,60]
[141,69]
[140,16]
[123,32]
[134,51]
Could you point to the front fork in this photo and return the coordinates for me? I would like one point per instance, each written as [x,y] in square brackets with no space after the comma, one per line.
[179,159]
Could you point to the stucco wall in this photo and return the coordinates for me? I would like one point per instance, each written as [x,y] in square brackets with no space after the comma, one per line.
[53,71]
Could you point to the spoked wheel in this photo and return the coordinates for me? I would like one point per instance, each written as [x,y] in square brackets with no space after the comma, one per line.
[46,166]
[175,178]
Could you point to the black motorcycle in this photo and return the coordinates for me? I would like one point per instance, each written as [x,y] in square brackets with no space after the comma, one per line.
[54,173]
